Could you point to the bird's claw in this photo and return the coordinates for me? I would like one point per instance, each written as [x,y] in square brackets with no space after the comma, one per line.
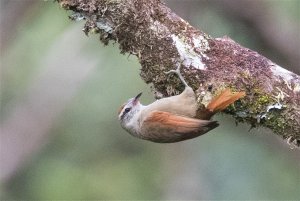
[177,72]
[170,72]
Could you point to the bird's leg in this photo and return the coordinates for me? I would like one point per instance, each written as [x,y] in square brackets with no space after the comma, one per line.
[177,72]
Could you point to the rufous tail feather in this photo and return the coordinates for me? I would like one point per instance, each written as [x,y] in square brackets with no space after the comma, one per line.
[223,100]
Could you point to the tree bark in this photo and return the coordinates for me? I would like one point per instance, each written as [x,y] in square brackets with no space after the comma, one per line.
[258,15]
[161,40]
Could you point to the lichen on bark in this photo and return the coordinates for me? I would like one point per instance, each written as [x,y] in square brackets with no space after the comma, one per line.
[161,40]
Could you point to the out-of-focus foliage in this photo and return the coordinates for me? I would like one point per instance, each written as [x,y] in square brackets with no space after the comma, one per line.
[88,156]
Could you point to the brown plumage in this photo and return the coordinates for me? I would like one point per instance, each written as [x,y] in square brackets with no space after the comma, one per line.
[174,118]
[222,101]
[182,128]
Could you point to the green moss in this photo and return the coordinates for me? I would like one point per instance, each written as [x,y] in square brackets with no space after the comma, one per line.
[259,105]
[276,122]
[264,99]
[254,107]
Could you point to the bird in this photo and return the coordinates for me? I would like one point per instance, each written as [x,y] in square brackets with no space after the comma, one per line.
[173,119]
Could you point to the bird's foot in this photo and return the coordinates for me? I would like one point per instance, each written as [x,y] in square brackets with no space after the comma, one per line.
[177,72]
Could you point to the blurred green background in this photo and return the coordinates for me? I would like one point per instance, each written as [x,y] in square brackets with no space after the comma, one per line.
[60,93]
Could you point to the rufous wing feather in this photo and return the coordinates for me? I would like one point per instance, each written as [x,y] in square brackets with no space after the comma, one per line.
[165,127]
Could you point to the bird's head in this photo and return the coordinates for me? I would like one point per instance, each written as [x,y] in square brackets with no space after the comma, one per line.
[129,109]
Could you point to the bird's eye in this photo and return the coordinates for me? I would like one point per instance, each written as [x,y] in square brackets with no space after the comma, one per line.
[127,109]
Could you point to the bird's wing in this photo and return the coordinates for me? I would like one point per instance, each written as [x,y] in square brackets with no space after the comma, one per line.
[166,127]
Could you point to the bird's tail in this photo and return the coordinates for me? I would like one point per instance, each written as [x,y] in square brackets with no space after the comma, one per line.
[220,103]
[223,100]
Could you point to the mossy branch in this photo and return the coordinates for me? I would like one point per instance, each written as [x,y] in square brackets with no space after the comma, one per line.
[161,40]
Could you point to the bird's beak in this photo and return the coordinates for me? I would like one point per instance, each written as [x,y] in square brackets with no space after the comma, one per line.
[138,96]
[136,99]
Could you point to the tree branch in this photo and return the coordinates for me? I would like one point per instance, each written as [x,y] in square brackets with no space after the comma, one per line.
[258,15]
[162,40]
